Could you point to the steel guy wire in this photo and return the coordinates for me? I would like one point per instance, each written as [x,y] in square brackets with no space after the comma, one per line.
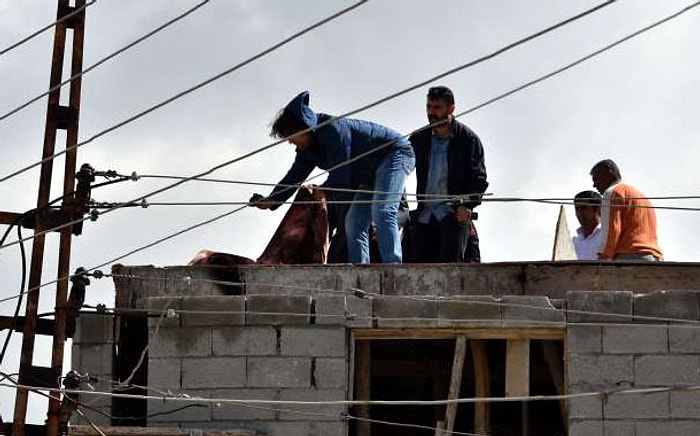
[465,400]
[105,59]
[508,93]
[332,119]
[43,29]
[190,90]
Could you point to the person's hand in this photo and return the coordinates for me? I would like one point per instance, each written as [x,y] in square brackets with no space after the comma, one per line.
[463,214]
[261,202]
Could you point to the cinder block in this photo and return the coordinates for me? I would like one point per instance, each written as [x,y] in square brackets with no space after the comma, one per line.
[591,306]
[277,310]
[179,342]
[331,373]
[315,412]
[278,428]
[653,428]
[369,279]
[163,311]
[245,411]
[588,408]
[600,371]
[245,341]
[164,374]
[175,412]
[469,311]
[214,372]
[332,428]
[637,406]
[187,282]
[347,310]
[404,312]
[314,341]
[586,428]
[673,370]
[584,339]
[524,310]
[214,310]
[666,304]
[619,428]
[685,427]
[685,404]
[635,339]
[94,359]
[278,372]
[415,280]
[684,339]
[289,280]
[94,329]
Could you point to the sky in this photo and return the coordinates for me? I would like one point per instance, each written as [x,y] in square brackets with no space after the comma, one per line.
[636,104]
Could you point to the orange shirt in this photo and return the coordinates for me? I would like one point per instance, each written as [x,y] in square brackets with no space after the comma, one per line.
[629,223]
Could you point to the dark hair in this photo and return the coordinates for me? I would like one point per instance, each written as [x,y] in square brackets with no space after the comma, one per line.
[443,93]
[609,166]
[588,198]
[286,124]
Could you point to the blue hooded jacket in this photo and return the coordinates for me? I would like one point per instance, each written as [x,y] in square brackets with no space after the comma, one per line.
[335,143]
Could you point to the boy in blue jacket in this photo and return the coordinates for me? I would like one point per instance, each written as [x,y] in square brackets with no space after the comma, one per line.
[384,159]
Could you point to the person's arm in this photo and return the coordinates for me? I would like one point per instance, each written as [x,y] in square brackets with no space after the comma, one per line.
[300,170]
[612,225]
[476,171]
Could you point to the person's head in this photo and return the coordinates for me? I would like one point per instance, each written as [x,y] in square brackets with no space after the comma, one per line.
[287,125]
[587,206]
[440,104]
[294,118]
[604,174]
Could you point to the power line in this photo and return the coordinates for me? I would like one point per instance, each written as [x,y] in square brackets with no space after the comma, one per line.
[43,29]
[106,58]
[327,122]
[504,95]
[191,89]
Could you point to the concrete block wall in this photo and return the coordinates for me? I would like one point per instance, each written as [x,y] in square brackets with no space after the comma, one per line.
[91,354]
[644,348]
[259,347]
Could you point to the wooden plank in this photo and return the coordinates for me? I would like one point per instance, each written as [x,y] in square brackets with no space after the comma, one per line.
[86,430]
[541,333]
[455,383]
[517,368]
[482,386]
[440,428]
[363,388]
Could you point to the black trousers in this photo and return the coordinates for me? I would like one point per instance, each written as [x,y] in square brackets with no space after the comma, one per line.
[444,241]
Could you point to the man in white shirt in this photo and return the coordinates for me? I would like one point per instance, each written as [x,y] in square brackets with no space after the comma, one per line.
[588,236]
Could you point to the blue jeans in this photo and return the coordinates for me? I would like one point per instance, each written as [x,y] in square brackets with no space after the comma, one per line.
[380,208]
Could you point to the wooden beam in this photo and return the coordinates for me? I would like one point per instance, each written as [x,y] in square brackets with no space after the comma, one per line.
[9,217]
[556,370]
[363,388]
[541,333]
[86,430]
[517,368]
[455,383]
[482,386]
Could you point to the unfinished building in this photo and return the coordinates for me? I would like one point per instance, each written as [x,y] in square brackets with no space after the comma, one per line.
[549,348]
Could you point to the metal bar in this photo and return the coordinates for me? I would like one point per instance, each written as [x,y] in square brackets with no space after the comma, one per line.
[21,398]
[78,24]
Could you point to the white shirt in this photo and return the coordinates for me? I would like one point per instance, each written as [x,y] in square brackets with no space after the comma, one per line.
[587,247]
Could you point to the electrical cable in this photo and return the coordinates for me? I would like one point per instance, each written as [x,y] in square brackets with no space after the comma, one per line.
[508,93]
[23,285]
[105,59]
[43,29]
[191,89]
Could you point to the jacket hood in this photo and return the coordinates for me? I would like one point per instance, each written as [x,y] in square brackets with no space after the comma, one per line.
[299,106]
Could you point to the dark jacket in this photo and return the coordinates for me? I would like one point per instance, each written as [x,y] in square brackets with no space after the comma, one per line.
[466,171]
[335,143]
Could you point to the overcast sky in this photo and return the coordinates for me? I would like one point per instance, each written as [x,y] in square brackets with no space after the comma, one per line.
[636,104]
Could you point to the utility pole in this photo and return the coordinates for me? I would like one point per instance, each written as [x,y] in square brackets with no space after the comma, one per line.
[58,117]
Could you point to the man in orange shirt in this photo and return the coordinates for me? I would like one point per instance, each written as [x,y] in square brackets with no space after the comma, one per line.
[628,218]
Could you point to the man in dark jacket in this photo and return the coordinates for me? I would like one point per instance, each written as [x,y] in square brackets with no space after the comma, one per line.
[384,159]
[451,177]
